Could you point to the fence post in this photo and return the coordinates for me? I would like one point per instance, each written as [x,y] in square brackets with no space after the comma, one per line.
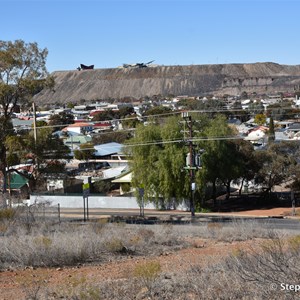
[58,209]
[44,211]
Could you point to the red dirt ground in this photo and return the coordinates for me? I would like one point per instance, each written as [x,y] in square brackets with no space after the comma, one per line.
[202,252]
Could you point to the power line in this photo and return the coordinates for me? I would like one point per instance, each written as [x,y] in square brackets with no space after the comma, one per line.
[164,115]
[161,142]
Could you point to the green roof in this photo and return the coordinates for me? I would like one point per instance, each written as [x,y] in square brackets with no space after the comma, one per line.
[78,139]
[16,181]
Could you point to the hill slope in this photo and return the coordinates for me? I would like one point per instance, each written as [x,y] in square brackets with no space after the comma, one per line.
[192,80]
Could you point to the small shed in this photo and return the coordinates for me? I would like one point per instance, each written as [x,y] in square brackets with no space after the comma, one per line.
[18,185]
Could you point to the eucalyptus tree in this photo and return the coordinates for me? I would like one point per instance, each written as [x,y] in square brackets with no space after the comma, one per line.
[22,74]
[45,152]
[219,157]
[250,164]
[278,163]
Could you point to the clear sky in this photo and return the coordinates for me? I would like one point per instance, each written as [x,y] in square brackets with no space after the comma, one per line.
[108,33]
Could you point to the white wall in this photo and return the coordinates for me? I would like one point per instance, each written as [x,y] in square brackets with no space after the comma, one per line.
[94,202]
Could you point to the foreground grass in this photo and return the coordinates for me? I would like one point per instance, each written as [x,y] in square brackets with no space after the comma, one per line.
[257,272]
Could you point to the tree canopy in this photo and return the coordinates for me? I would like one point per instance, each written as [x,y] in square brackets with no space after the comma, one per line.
[22,74]
[85,152]
[62,118]
[159,157]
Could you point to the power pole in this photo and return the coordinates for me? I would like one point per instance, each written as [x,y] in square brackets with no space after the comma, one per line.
[190,161]
[34,122]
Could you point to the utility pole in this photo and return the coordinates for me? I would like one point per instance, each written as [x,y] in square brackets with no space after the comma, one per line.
[190,161]
[34,122]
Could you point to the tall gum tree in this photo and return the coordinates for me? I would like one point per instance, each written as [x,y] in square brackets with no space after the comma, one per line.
[23,74]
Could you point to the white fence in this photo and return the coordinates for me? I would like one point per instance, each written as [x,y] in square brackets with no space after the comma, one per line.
[94,202]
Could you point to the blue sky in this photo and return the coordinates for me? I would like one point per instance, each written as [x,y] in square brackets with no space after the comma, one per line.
[108,33]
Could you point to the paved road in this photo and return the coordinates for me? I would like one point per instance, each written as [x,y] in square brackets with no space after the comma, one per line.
[179,217]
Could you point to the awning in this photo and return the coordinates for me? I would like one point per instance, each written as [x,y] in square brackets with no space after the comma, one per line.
[124,179]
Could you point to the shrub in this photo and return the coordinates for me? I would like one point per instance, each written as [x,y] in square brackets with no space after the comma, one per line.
[78,288]
[115,245]
[148,273]
[7,214]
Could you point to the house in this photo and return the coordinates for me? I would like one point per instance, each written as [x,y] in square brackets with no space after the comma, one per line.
[257,134]
[100,126]
[107,150]
[125,182]
[20,124]
[61,183]
[294,128]
[80,127]
[112,173]
[80,111]
[284,124]
[74,141]
[281,135]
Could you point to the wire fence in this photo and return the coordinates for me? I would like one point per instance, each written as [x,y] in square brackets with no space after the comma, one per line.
[41,212]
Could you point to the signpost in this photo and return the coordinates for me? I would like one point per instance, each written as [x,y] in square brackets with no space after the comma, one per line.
[86,193]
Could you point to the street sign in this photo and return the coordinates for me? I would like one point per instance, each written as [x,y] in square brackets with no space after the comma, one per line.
[86,193]
[86,186]
[141,192]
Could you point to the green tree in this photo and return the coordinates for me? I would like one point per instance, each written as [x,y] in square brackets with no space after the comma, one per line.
[158,158]
[271,130]
[193,104]
[46,147]
[22,74]
[15,149]
[173,184]
[102,186]
[104,115]
[145,151]
[260,119]
[276,164]
[130,121]
[70,105]
[45,153]
[217,159]
[157,110]
[62,118]
[85,152]
[256,108]
[125,111]
[250,165]
[112,136]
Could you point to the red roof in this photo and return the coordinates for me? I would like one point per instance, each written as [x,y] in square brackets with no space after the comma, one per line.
[81,124]
[102,124]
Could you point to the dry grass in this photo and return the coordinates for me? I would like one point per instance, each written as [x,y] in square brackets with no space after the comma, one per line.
[244,274]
